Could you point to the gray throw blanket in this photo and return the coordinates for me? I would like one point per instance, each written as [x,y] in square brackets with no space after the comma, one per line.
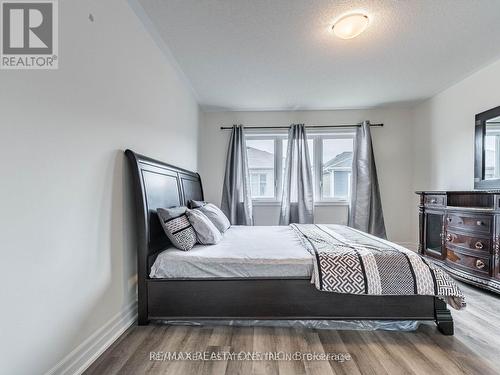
[350,261]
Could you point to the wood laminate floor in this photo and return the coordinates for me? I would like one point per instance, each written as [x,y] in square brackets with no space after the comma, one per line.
[474,349]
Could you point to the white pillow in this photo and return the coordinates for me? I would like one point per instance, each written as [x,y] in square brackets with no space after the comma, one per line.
[206,232]
[216,216]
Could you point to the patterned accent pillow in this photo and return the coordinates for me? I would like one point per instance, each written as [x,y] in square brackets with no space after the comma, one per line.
[177,227]
[206,232]
[216,216]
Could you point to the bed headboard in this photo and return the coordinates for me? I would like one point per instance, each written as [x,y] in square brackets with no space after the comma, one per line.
[157,184]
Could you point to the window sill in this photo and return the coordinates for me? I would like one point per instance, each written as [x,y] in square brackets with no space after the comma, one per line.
[266,203]
[331,203]
[316,204]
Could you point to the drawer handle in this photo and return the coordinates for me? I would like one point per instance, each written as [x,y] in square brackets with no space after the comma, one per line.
[449,219]
[479,222]
[449,238]
[480,264]
[478,245]
[433,200]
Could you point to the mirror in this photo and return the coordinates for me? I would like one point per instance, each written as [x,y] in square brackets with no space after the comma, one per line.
[487,153]
[492,149]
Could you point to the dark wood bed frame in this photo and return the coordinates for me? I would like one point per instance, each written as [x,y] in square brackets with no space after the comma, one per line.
[157,185]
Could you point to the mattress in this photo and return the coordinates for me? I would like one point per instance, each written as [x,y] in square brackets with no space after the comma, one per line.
[245,251]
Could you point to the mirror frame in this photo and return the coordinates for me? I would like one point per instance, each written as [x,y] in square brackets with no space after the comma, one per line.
[480,131]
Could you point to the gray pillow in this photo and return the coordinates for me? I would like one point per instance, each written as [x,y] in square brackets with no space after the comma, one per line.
[206,232]
[177,227]
[196,204]
[216,216]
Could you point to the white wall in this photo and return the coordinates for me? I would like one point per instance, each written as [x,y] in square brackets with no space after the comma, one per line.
[443,133]
[66,219]
[393,154]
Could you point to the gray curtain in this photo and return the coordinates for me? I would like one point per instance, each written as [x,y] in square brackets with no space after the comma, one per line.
[297,203]
[236,198]
[366,207]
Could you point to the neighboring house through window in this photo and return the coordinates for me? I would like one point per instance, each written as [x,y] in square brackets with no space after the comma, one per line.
[336,168]
[331,161]
[260,153]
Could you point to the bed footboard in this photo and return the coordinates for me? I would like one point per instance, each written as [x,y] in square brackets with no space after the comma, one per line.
[282,299]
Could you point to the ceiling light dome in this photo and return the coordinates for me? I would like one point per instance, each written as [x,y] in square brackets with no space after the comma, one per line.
[350,25]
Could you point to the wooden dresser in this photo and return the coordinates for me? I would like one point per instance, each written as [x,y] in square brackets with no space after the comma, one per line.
[460,230]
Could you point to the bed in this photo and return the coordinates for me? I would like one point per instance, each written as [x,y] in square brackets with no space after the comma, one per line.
[201,284]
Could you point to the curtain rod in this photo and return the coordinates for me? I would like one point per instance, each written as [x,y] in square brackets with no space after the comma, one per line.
[307,126]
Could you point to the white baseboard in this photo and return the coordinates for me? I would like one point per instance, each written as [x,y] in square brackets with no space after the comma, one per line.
[88,351]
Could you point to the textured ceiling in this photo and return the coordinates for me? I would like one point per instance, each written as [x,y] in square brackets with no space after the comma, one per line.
[281,54]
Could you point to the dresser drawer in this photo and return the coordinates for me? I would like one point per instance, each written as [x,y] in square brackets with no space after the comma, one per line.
[469,241]
[476,264]
[435,200]
[476,223]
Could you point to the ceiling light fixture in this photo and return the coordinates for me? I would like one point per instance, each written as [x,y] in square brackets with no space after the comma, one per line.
[350,25]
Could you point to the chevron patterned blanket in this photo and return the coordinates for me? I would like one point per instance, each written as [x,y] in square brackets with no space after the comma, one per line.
[350,261]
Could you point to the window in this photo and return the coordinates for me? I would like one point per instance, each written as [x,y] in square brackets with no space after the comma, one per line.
[261,184]
[331,159]
[261,165]
[492,152]
[336,167]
